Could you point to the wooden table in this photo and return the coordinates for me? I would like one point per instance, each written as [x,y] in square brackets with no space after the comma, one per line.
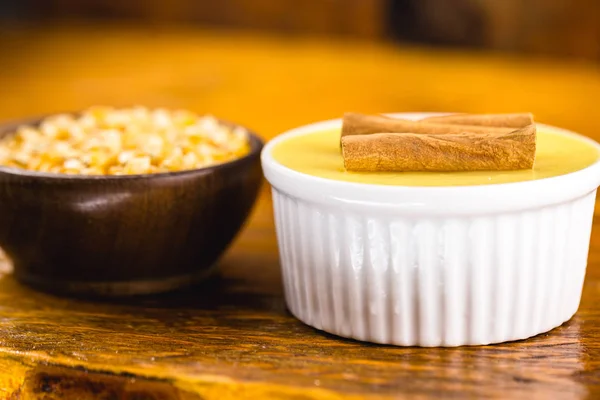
[232,337]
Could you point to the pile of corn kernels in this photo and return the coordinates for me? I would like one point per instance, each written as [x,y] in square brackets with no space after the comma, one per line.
[110,141]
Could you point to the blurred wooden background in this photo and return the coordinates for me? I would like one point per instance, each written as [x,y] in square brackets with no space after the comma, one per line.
[279,64]
[554,27]
[568,28]
[356,17]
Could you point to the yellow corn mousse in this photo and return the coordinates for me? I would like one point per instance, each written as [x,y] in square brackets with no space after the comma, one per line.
[318,154]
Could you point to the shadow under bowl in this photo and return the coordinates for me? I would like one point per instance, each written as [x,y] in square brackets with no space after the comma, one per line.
[123,235]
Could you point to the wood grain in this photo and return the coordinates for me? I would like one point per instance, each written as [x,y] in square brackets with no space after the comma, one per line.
[232,337]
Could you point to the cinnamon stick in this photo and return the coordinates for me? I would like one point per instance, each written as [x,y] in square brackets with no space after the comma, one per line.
[361,124]
[440,152]
[518,120]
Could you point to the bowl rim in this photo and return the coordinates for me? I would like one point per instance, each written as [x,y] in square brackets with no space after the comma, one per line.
[433,199]
[6,127]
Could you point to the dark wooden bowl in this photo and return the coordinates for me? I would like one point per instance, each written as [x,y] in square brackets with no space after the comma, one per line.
[123,235]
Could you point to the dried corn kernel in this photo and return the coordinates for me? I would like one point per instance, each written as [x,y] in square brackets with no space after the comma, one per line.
[138,165]
[104,140]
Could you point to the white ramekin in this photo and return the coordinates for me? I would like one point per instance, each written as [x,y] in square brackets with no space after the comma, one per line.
[431,266]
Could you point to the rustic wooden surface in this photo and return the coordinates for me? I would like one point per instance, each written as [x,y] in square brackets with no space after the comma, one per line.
[232,337]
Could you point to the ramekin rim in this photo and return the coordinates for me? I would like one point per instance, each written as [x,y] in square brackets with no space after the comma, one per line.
[269,161]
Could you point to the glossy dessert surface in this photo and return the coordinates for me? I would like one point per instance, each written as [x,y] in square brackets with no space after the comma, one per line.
[318,154]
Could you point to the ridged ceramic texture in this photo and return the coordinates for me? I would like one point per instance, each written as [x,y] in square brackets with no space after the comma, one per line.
[433,281]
